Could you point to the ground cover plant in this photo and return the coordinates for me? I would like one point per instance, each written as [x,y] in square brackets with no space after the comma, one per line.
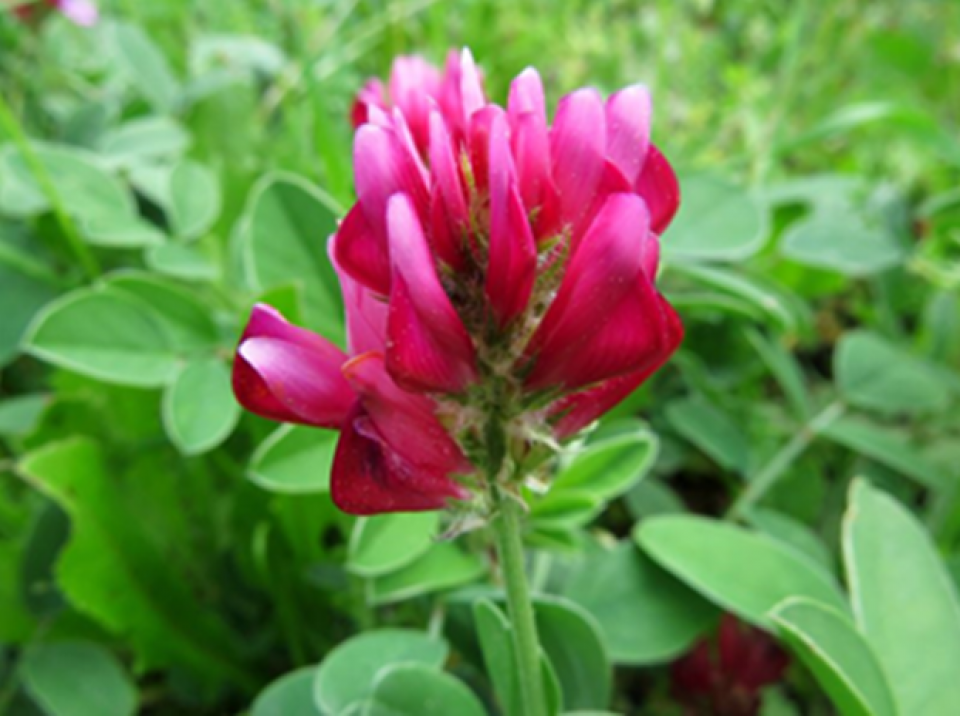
[458,516]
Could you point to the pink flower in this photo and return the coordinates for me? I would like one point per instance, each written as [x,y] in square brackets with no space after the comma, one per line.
[498,275]
[81,12]
[415,88]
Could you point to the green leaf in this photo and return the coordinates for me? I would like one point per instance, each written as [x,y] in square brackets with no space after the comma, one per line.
[844,237]
[418,690]
[791,532]
[105,335]
[571,639]
[350,672]
[444,566]
[837,655]
[284,233]
[646,616]
[87,190]
[785,368]
[26,285]
[145,140]
[113,572]
[873,373]
[19,415]
[741,571]
[887,447]
[609,467]
[290,695]
[565,509]
[496,644]
[711,430]
[194,199]
[77,679]
[717,222]
[121,231]
[146,68]
[186,320]
[904,602]
[183,262]
[652,497]
[385,543]
[199,410]
[294,459]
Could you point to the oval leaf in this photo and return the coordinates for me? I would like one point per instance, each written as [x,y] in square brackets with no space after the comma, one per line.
[349,673]
[739,570]
[385,543]
[290,695]
[294,459]
[199,410]
[417,690]
[904,602]
[827,642]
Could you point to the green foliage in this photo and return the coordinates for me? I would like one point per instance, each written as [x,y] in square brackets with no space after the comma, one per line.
[160,552]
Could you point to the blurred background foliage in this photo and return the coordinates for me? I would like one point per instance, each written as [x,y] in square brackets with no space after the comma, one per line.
[165,169]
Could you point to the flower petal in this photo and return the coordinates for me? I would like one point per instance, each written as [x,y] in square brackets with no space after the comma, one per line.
[575,412]
[526,95]
[512,264]
[531,149]
[448,205]
[628,130]
[370,95]
[369,478]
[361,253]
[658,186]
[406,421]
[366,313]
[428,347]
[471,86]
[577,147]
[481,125]
[413,82]
[286,373]
[81,12]
[604,281]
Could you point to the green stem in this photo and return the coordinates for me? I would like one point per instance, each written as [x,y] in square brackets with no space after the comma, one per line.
[768,475]
[508,527]
[75,243]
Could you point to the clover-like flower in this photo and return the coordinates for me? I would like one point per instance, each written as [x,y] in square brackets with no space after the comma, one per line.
[80,12]
[499,282]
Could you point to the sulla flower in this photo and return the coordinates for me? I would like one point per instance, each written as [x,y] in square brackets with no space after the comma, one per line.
[498,275]
[80,12]
[726,677]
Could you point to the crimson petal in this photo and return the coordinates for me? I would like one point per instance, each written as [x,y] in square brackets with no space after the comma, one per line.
[658,186]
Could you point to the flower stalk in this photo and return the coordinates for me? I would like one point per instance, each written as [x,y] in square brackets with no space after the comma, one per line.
[508,527]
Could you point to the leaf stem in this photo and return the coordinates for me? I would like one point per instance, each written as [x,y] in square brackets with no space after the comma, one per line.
[768,475]
[508,527]
[75,243]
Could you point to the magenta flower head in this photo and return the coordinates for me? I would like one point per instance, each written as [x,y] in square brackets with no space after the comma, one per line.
[499,281]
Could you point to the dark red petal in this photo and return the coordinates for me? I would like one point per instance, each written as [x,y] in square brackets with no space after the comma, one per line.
[575,412]
[406,421]
[370,478]
[361,253]
[658,186]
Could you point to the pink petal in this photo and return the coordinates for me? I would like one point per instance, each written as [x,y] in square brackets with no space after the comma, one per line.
[512,262]
[370,95]
[366,313]
[81,12]
[577,147]
[605,272]
[481,124]
[361,253]
[526,96]
[531,148]
[427,346]
[658,186]
[406,421]
[413,82]
[286,373]
[577,411]
[369,478]
[628,130]
[471,87]
[449,215]
[384,165]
